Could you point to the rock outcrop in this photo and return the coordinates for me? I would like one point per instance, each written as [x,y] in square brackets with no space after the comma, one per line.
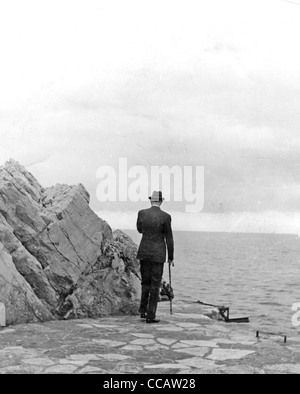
[58,259]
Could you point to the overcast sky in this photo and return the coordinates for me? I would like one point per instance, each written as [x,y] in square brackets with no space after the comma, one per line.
[212,83]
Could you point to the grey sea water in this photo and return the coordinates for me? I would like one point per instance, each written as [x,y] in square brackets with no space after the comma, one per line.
[257,275]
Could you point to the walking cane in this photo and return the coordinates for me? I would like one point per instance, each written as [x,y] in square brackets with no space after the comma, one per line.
[170,281]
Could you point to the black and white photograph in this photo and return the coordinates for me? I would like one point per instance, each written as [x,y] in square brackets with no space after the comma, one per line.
[149,190]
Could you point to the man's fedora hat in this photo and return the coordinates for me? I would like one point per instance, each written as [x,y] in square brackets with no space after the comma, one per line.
[156,197]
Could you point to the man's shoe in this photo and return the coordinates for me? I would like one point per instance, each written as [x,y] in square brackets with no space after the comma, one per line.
[152,321]
[143,316]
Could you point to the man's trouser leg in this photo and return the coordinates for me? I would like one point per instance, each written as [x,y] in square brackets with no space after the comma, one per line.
[146,285]
[157,270]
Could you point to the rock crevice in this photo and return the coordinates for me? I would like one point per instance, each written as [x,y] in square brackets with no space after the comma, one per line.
[58,258]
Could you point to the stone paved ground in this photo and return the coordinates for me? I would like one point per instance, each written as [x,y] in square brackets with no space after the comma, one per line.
[186,343]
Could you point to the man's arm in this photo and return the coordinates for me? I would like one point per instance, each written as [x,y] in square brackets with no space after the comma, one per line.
[170,240]
[139,223]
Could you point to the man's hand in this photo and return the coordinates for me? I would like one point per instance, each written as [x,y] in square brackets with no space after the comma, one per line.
[171,263]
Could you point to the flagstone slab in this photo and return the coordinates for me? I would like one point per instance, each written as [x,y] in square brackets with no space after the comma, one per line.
[7,331]
[198,351]
[195,371]
[108,342]
[133,348]
[83,357]
[240,370]
[104,326]
[191,316]
[113,357]
[167,366]
[170,328]
[85,326]
[61,369]
[224,341]
[127,369]
[143,342]
[284,368]
[180,346]
[19,351]
[45,362]
[166,341]
[247,343]
[92,370]
[291,339]
[199,363]
[200,343]
[79,363]
[155,348]
[142,335]
[294,348]
[243,339]
[220,328]
[20,370]
[188,325]
[229,354]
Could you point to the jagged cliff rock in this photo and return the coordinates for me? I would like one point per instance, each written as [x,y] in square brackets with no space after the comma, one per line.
[22,304]
[58,259]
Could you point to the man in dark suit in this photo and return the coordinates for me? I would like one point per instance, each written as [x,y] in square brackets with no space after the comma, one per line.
[155,225]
